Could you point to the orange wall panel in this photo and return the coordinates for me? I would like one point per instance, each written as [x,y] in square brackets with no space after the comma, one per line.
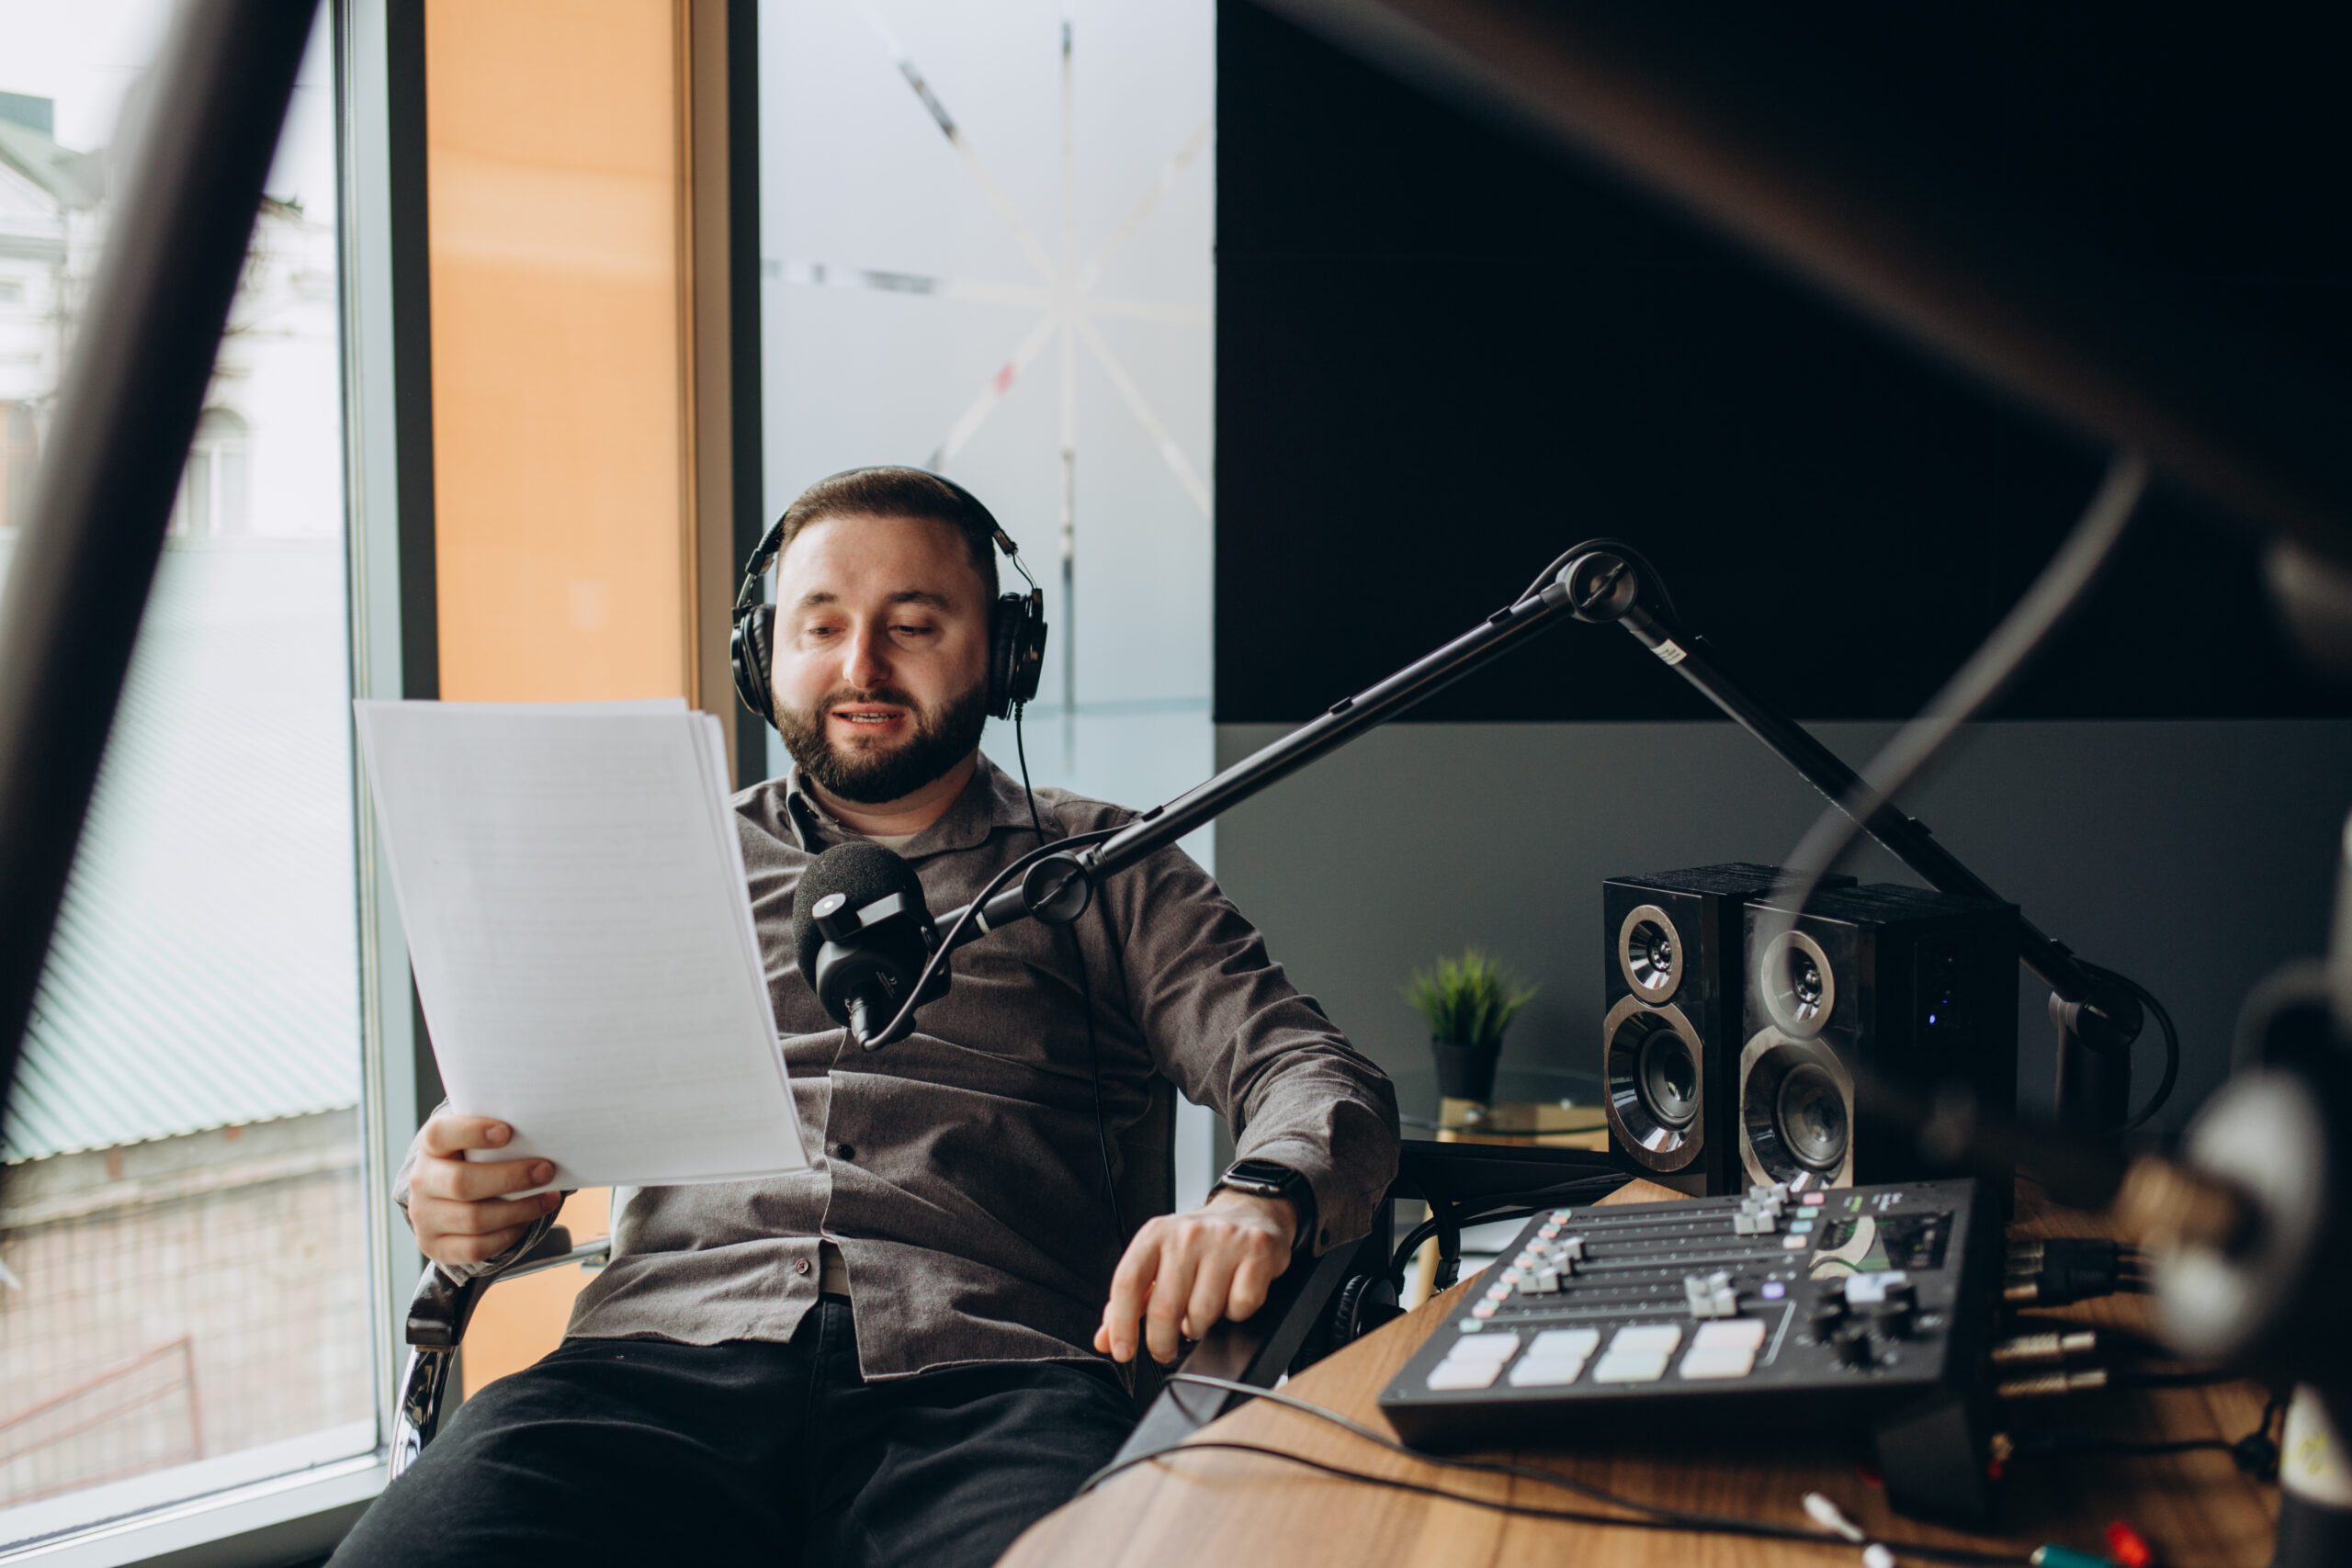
[553,166]
[559,272]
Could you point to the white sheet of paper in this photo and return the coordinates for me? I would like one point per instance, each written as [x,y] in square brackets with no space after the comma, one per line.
[573,893]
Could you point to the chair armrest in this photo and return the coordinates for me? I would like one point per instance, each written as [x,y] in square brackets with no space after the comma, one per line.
[1257,1351]
[442,1307]
[437,1315]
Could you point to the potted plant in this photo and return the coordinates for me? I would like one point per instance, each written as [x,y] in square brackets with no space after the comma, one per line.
[1468,1001]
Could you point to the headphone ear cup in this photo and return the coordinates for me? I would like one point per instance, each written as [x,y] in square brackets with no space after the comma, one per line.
[1004,631]
[1024,664]
[748,648]
[1017,650]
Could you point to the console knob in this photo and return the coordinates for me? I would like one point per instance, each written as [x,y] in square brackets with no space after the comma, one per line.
[1852,1345]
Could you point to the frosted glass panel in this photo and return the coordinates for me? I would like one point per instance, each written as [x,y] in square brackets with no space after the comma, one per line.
[985,248]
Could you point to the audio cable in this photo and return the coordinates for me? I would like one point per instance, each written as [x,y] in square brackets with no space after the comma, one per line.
[1458,1217]
[1086,993]
[952,937]
[2255,1454]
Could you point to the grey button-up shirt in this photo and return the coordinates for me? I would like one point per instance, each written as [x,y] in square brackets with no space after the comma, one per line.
[958,1171]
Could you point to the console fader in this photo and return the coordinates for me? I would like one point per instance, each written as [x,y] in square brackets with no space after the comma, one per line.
[1866,1309]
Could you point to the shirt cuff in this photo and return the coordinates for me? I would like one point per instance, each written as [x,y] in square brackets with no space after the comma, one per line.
[461,1273]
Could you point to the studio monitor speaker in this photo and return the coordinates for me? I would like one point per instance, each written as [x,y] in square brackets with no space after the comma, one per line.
[1672,1024]
[1919,987]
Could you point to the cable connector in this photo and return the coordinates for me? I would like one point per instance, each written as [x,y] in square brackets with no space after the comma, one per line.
[2048,1386]
[2044,1349]
[2056,1273]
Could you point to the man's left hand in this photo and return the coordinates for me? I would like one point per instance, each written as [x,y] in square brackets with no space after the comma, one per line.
[1182,1272]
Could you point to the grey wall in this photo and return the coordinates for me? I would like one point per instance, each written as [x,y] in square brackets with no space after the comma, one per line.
[2194,856]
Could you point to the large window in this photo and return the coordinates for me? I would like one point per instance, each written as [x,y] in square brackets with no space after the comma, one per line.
[184,1285]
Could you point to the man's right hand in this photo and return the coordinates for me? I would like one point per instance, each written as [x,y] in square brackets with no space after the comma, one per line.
[457,1207]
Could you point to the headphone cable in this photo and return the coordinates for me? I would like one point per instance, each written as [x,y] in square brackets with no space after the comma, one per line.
[1086,991]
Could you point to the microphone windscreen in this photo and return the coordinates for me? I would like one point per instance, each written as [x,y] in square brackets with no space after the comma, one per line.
[864,872]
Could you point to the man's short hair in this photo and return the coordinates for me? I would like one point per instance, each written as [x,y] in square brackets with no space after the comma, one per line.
[896,492]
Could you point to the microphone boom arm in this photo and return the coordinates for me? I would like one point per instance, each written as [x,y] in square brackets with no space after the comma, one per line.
[1058,887]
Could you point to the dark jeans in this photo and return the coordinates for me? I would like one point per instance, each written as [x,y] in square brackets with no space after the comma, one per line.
[642,1452]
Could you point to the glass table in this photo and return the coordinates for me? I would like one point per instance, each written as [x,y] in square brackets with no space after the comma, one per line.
[1555,1107]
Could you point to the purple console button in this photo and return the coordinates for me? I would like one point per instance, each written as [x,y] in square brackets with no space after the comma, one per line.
[1773,1290]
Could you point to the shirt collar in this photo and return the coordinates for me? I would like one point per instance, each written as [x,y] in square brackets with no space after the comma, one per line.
[991,798]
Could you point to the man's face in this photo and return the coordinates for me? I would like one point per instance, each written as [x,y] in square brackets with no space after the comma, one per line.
[881,671]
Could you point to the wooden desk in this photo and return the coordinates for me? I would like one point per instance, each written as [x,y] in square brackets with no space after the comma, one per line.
[1229,1509]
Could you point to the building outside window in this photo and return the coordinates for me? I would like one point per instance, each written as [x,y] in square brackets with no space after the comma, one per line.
[213,492]
[185,1286]
[19,452]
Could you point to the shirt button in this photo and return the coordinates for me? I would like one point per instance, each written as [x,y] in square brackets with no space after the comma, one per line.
[843,1151]
[800,1266]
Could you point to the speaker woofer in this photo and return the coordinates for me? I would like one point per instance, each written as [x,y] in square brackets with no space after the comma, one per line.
[1655,1100]
[1649,952]
[1810,1117]
[1796,1112]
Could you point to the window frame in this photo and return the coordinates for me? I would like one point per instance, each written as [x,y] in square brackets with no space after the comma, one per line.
[376,66]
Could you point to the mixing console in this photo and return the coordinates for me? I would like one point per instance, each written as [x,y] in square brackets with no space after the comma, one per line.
[1868,1309]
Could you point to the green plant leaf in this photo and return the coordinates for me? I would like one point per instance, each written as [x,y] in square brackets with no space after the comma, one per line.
[1468,1001]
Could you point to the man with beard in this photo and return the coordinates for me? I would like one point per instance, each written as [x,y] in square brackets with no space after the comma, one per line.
[914,1349]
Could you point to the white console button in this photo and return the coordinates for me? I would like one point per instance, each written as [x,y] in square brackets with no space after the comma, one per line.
[1546,1372]
[1451,1373]
[1706,1361]
[1565,1343]
[1653,1337]
[1870,1290]
[1724,1363]
[1495,1347]
[1629,1366]
[1734,1333]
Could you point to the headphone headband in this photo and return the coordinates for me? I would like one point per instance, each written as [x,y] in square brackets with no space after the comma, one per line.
[981,520]
[1016,622]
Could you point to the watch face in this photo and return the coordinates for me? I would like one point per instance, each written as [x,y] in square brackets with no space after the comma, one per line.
[1261,1173]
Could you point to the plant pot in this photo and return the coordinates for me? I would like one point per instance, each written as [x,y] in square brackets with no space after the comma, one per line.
[1466,1072]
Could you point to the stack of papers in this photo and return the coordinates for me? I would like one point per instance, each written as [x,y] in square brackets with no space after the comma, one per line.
[572,889]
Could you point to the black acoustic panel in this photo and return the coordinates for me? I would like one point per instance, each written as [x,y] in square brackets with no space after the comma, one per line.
[1444,356]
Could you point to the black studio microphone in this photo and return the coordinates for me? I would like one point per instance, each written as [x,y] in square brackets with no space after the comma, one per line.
[865,935]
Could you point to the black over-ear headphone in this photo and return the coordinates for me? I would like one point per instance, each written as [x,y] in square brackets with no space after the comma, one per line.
[1016,622]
